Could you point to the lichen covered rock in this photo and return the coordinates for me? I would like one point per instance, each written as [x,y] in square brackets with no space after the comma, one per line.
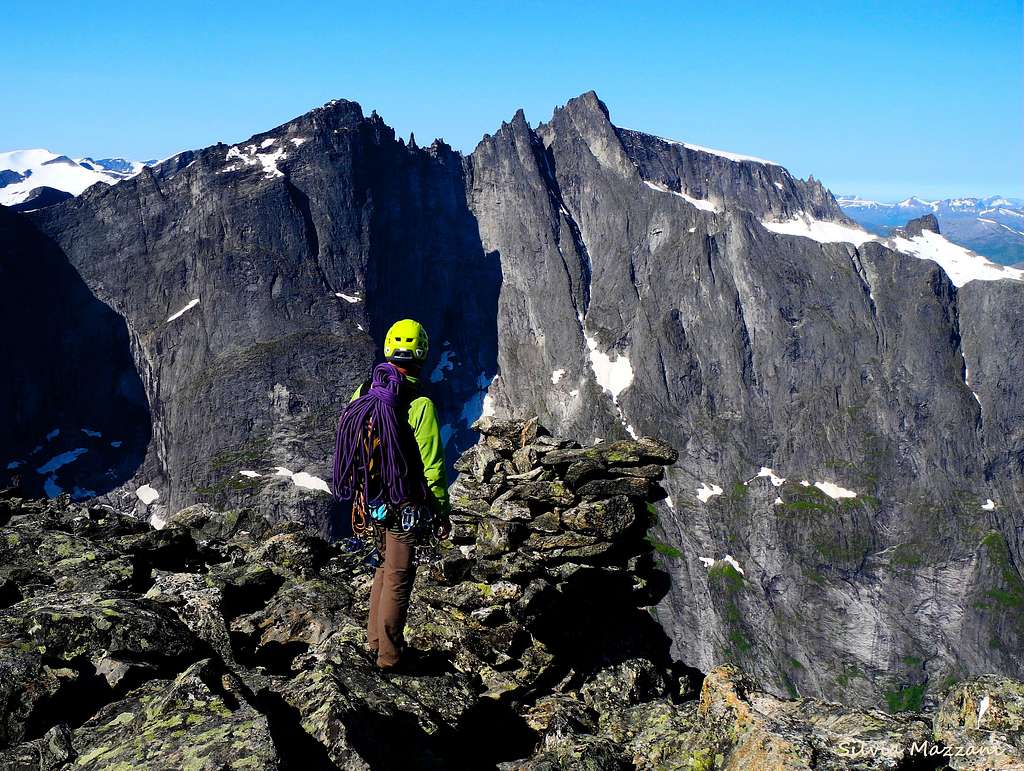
[223,642]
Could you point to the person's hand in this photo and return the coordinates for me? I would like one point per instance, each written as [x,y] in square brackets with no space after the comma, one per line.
[443,530]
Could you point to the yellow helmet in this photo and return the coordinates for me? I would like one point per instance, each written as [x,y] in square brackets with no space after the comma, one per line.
[406,341]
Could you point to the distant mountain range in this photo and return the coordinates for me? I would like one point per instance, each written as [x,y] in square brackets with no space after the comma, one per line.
[32,179]
[993,226]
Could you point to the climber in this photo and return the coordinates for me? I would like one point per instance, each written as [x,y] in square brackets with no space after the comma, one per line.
[393,471]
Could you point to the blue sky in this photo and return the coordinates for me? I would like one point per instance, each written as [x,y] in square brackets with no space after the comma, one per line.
[884,99]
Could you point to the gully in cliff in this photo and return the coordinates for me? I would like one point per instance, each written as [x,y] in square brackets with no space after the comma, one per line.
[393,472]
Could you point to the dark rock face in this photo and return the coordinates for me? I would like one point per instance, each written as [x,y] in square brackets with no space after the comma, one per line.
[67,366]
[225,647]
[299,248]
[825,363]
[609,282]
[40,198]
[917,226]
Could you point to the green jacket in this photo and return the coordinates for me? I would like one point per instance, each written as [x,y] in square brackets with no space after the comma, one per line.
[423,421]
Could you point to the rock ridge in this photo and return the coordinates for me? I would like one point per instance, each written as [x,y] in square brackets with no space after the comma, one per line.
[224,641]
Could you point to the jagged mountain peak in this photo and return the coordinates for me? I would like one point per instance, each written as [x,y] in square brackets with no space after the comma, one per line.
[613,283]
[586,102]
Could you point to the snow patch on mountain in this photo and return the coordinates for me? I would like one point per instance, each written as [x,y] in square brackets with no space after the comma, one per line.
[698,202]
[613,375]
[776,480]
[178,314]
[304,480]
[721,153]
[832,490]
[147,494]
[251,155]
[705,492]
[822,231]
[961,265]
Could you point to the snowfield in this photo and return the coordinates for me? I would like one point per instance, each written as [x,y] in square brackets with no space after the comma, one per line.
[47,169]
[961,265]
[822,231]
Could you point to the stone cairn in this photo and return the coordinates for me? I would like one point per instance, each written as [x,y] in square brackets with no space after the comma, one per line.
[548,542]
[549,499]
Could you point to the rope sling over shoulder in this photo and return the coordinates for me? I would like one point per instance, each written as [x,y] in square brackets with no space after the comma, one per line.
[370,467]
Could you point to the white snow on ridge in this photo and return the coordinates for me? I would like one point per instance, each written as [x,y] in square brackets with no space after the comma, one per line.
[348,297]
[698,202]
[191,304]
[310,482]
[250,474]
[961,265]
[853,202]
[983,708]
[556,375]
[819,230]
[480,404]
[488,406]
[988,505]
[721,153]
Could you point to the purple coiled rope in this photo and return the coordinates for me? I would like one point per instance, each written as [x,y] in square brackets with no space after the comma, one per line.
[353,447]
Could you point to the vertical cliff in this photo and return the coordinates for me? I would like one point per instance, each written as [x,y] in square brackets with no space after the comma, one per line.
[844,516]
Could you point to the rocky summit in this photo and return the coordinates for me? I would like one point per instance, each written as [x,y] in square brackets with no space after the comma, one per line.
[223,641]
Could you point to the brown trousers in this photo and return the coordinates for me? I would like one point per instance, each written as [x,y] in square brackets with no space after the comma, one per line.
[389,596]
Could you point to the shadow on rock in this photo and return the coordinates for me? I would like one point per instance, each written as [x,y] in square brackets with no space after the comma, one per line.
[70,377]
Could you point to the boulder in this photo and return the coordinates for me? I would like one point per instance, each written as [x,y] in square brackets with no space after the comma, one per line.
[199,720]
[607,518]
[983,718]
[554,493]
[606,488]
